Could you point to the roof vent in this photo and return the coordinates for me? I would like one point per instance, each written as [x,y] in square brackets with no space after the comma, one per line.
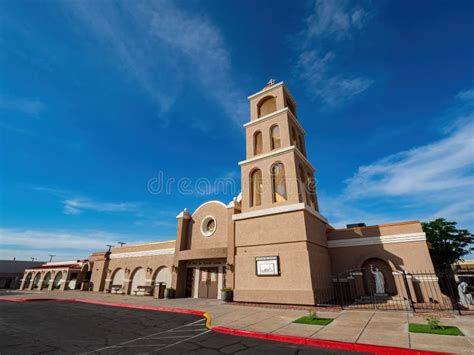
[355,225]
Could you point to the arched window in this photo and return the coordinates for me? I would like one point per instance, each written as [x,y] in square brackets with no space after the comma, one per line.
[257,143]
[291,106]
[304,195]
[266,106]
[293,136]
[275,137]
[312,190]
[278,182]
[256,188]
[301,147]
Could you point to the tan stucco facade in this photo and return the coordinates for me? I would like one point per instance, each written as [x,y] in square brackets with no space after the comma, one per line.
[270,244]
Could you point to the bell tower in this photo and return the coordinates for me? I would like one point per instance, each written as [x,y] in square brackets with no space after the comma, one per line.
[276,171]
[279,216]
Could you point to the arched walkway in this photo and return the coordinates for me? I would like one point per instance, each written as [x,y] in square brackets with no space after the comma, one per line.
[369,279]
[163,274]
[138,279]
[36,280]
[27,282]
[117,278]
[47,280]
[57,280]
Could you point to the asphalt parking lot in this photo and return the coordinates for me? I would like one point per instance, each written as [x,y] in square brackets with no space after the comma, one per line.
[67,327]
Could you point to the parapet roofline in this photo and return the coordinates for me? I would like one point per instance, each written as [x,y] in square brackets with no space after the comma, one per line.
[63,266]
[143,244]
[379,225]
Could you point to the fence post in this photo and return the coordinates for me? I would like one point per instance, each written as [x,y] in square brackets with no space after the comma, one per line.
[407,287]
[454,296]
[341,303]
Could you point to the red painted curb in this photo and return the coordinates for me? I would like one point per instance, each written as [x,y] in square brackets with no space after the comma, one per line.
[329,344]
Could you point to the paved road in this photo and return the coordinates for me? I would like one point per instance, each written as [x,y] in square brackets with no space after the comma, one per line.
[67,327]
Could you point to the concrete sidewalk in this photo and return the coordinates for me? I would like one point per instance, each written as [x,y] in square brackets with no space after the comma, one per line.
[369,327]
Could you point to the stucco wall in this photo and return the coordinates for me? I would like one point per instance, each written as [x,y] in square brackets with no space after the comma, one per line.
[196,240]
[409,256]
[293,285]
[280,228]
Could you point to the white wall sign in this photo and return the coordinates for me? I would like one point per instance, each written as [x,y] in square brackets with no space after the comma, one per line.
[267,266]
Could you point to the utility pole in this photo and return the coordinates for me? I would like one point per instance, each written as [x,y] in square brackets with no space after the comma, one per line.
[51,256]
[122,243]
[33,259]
[110,247]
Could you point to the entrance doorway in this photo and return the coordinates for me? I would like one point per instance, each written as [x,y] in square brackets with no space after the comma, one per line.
[208,282]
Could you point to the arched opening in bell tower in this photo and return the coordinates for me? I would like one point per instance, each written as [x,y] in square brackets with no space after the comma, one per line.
[266,106]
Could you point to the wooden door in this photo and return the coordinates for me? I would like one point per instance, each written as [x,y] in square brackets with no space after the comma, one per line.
[189,282]
[208,282]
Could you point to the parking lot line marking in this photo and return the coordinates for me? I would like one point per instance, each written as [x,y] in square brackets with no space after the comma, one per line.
[172,337]
[182,341]
[137,346]
[144,337]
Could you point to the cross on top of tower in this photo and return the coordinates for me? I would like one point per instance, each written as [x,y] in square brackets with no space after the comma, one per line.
[271,82]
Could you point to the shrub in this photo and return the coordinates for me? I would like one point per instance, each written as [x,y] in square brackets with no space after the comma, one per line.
[434,322]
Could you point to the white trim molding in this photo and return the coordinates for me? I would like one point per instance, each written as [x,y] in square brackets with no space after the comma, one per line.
[425,278]
[135,254]
[280,209]
[273,114]
[278,152]
[266,155]
[266,117]
[389,239]
[207,203]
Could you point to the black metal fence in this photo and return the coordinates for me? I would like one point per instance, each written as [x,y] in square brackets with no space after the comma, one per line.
[401,290]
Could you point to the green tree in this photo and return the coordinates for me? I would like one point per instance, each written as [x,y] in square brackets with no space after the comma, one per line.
[447,244]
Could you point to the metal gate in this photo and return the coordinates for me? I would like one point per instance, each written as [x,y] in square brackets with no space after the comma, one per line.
[405,291]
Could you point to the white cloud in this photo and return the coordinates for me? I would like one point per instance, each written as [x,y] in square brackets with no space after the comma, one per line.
[335,18]
[466,96]
[427,182]
[30,106]
[203,46]
[444,165]
[26,243]
[330,25]
[163,48]
[78,205]
[333,89]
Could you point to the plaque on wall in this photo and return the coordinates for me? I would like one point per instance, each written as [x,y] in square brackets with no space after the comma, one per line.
[267,266]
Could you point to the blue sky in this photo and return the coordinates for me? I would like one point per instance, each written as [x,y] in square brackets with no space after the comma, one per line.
[100,98]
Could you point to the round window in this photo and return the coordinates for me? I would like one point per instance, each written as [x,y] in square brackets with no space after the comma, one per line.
[208,226]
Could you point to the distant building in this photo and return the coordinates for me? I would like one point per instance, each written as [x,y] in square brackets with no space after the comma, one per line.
[270,244]
[11,272]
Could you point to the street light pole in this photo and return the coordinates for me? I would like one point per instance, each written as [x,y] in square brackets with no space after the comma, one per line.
[51,256]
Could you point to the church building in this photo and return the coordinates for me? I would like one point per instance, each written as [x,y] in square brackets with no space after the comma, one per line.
[270,244]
